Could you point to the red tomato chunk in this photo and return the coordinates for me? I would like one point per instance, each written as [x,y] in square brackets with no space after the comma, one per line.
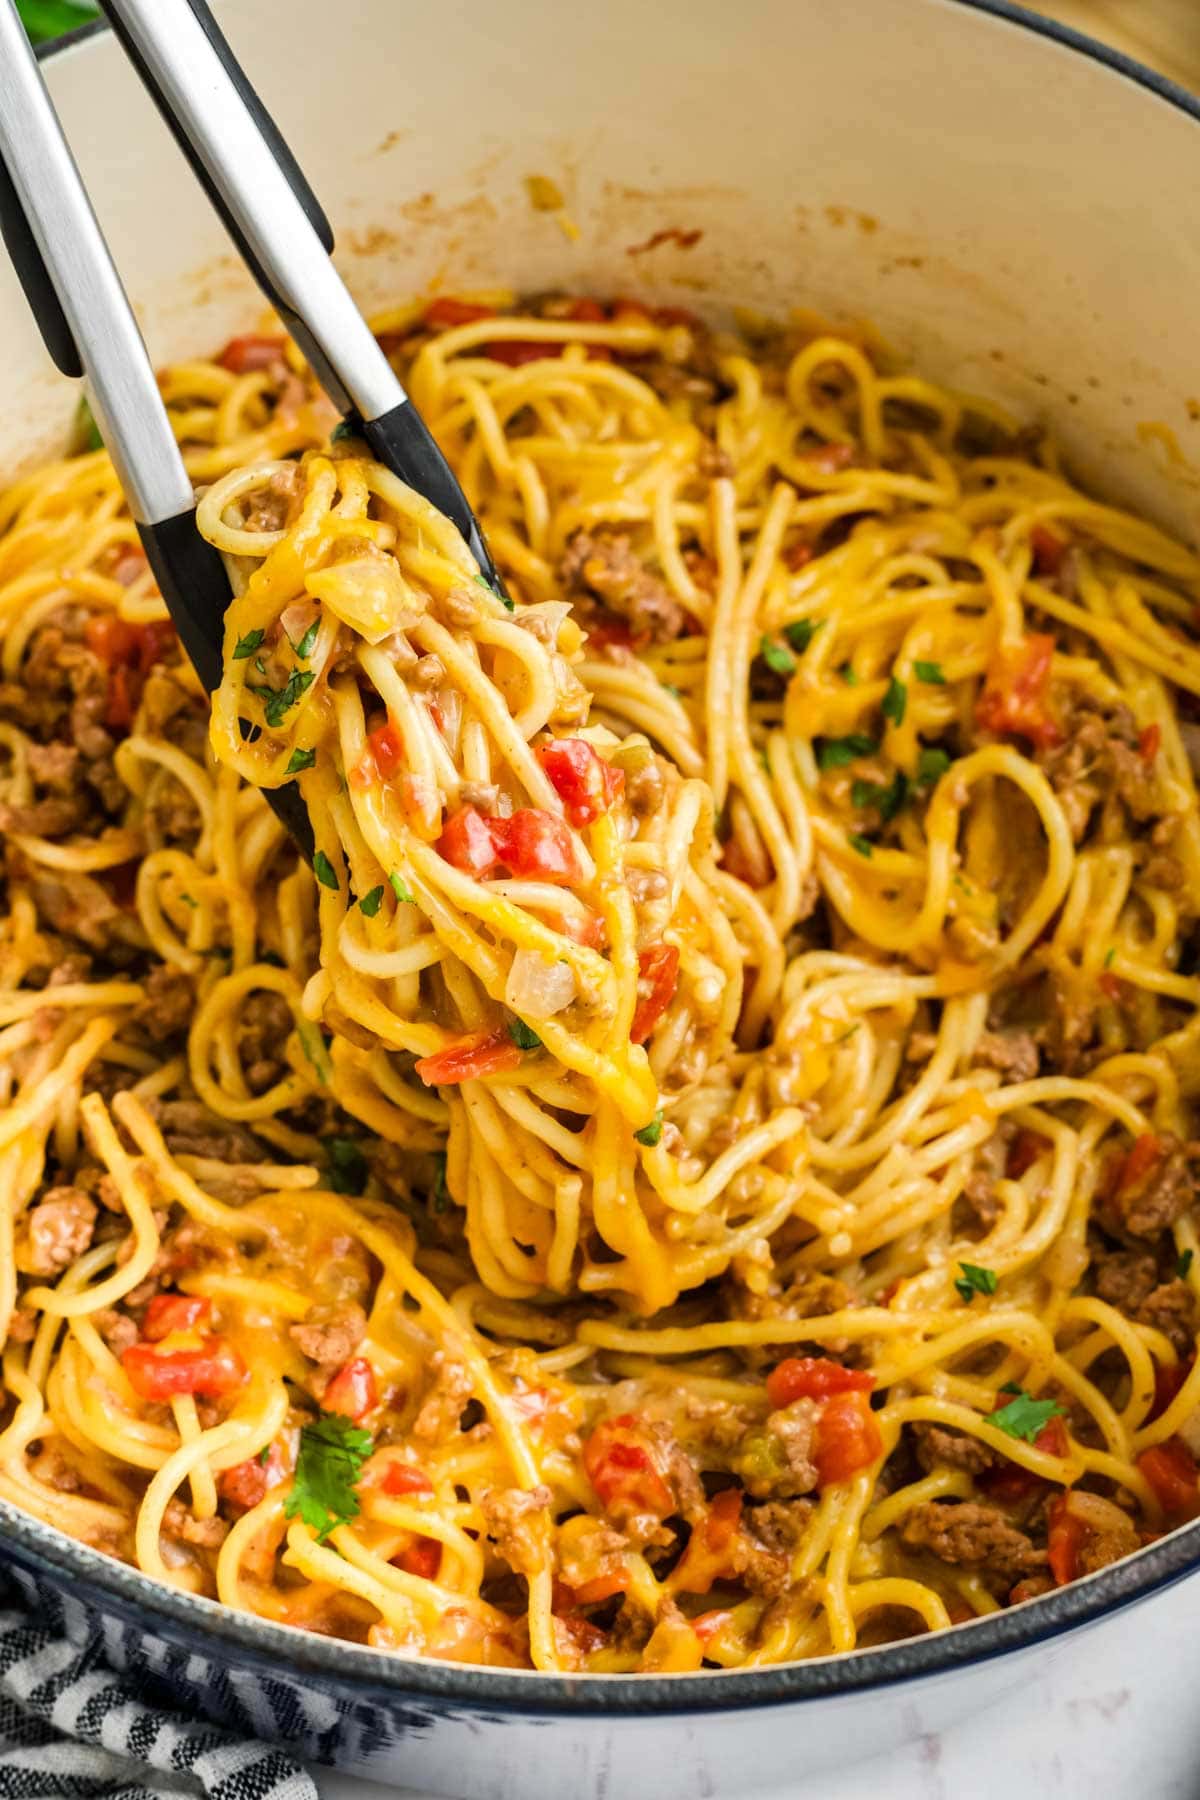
[584,782]
[489,1053]
[212,1370]
[814,1378]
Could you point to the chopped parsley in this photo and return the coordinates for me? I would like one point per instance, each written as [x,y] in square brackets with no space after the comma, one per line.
[246,646]
[836,753]
[345,1165]
[316,1049]
[930,672]
[890,799]
[522,1036]
[863,845]
[342,430]
[332,1451]
[441,1193]
[304,648]
[301,759]
[651,1133]
[895,701]
[264,1455]
[1184,1264]
[189,900]
[401,889]
[776,656]
[278,701]
[931,766]
[974,1280]
[1110,956]
[369,904]
[495,592]
[801,632]
[1024,1416]
[89,431]
[324,870]
[848,675]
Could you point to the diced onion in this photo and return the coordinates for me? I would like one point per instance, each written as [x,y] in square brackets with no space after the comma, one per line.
[296,620]
[538,988]
[369,594]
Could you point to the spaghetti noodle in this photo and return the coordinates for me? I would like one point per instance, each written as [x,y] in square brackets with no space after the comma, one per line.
[697,1172]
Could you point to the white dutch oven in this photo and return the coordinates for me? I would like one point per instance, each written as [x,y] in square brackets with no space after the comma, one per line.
[1016,210]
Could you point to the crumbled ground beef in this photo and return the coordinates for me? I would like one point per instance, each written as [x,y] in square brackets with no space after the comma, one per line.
[517,1521]
[329,1335]
[263,1029]
[1152,1205]
[1099,762]
[56,1231]
[938,1448]
[974,1535]
[794,1429]
[1013,1053]
[170,1003]
[189,1129]
[606,567]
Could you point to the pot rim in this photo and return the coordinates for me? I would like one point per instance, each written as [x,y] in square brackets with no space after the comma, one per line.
[90,1576]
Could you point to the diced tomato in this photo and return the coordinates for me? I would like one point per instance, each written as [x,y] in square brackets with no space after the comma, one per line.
[587,311]
[1023,1152]
[707,1624]
[1168,1379]
[537,846]
[658,977]
[1142,1160]
[677,315]
[630,312]
[1048,550]
[829,458]
[483,1053]
[248,1483]
[386,748]
[352,1390]
[607,628]
[242,355]
[1010,1482]
[583,781]
[423,1557]
[1150,742]
[600,1588]
[848,1439]
[588,930]
[1110,985]
[1170,1468]
[173,1312]
[706,1558]
[814,1378]
[516,352]
[402,1478]
[469,842]
[797,554]
[447,311]
[1064,1538]
[1014,700]
[622,1470]
[437,715]
[129,652]
[214,1369]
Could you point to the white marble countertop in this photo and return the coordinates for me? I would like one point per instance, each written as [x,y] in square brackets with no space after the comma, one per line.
[1116,1718]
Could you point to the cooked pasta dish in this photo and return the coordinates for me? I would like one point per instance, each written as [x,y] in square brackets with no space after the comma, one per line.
[696,1171]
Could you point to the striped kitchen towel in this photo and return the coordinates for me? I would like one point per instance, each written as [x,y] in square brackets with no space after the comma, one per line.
[71,1730]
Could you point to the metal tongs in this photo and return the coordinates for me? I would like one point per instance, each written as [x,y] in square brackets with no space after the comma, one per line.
[84,315]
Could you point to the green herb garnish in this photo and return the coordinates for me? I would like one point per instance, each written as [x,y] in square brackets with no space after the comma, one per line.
[304,648]
[863,845]
[895,701]
[522,1036]
[189,900]
[974,1280]
[495,592]
[324,870]
[345,1165]
[836,753]
[264,1455]
[800,633]
[369,904]
[342,430]
[931,766]
[441,1193]
[930,672]
[85,421]
[278,701]
[890,800]
[848,675]
[301,759]
[651,1133]
[776,656]
[1110,956]
[1024,1416]
[246,646]
[401,889]
[332,1451]
[1183,1264]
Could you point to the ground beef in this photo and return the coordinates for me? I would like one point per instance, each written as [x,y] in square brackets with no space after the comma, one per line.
[594,1550]
[263,1029]
[169,1006]
[771,1532]
[794,1428]
[975,1535]
[517,1521]
[57,1230]
[1108,1544]
[189,1129]
[938,1448]
[329,1335]
[116,1328]
[443,1405]
[54,766]
[1013,1053]
[207,1534]
[1171,1309]
[79,907]
[1100,762]
[979,1192]
[1153,1205]
[1124,1278]
[51,817]
[606,567]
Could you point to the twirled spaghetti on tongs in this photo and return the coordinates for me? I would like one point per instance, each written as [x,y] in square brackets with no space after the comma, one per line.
[699,1170]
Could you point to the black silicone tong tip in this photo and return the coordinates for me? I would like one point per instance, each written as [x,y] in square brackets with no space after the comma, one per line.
[34,277]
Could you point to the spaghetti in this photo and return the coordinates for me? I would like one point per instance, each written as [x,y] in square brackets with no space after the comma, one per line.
[697,1172]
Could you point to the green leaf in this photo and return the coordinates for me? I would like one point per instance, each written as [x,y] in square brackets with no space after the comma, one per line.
[495,592]
[651,1133]
[848,675]
[861,844]
[278,701]
[301,759]
[1024,1416]
[85,421]
[313,1045]
[324,870]
[369,904]
[801,632]
[345,1164]
[246,646]
[895,701]
[1183,1264]
[441,1193]
[776,657]
[890,800]
[189,900]
[264,1455]
[342,430]
[931,766]
[930,672]
[401,889]
[1110,956]
[975,1280]
[836,753]
[331,1454]
[522,1036]
[304,647]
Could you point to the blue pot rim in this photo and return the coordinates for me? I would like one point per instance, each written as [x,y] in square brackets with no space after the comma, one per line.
[383,1677]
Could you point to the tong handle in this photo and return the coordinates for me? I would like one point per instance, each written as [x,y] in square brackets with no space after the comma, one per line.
[34,276]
